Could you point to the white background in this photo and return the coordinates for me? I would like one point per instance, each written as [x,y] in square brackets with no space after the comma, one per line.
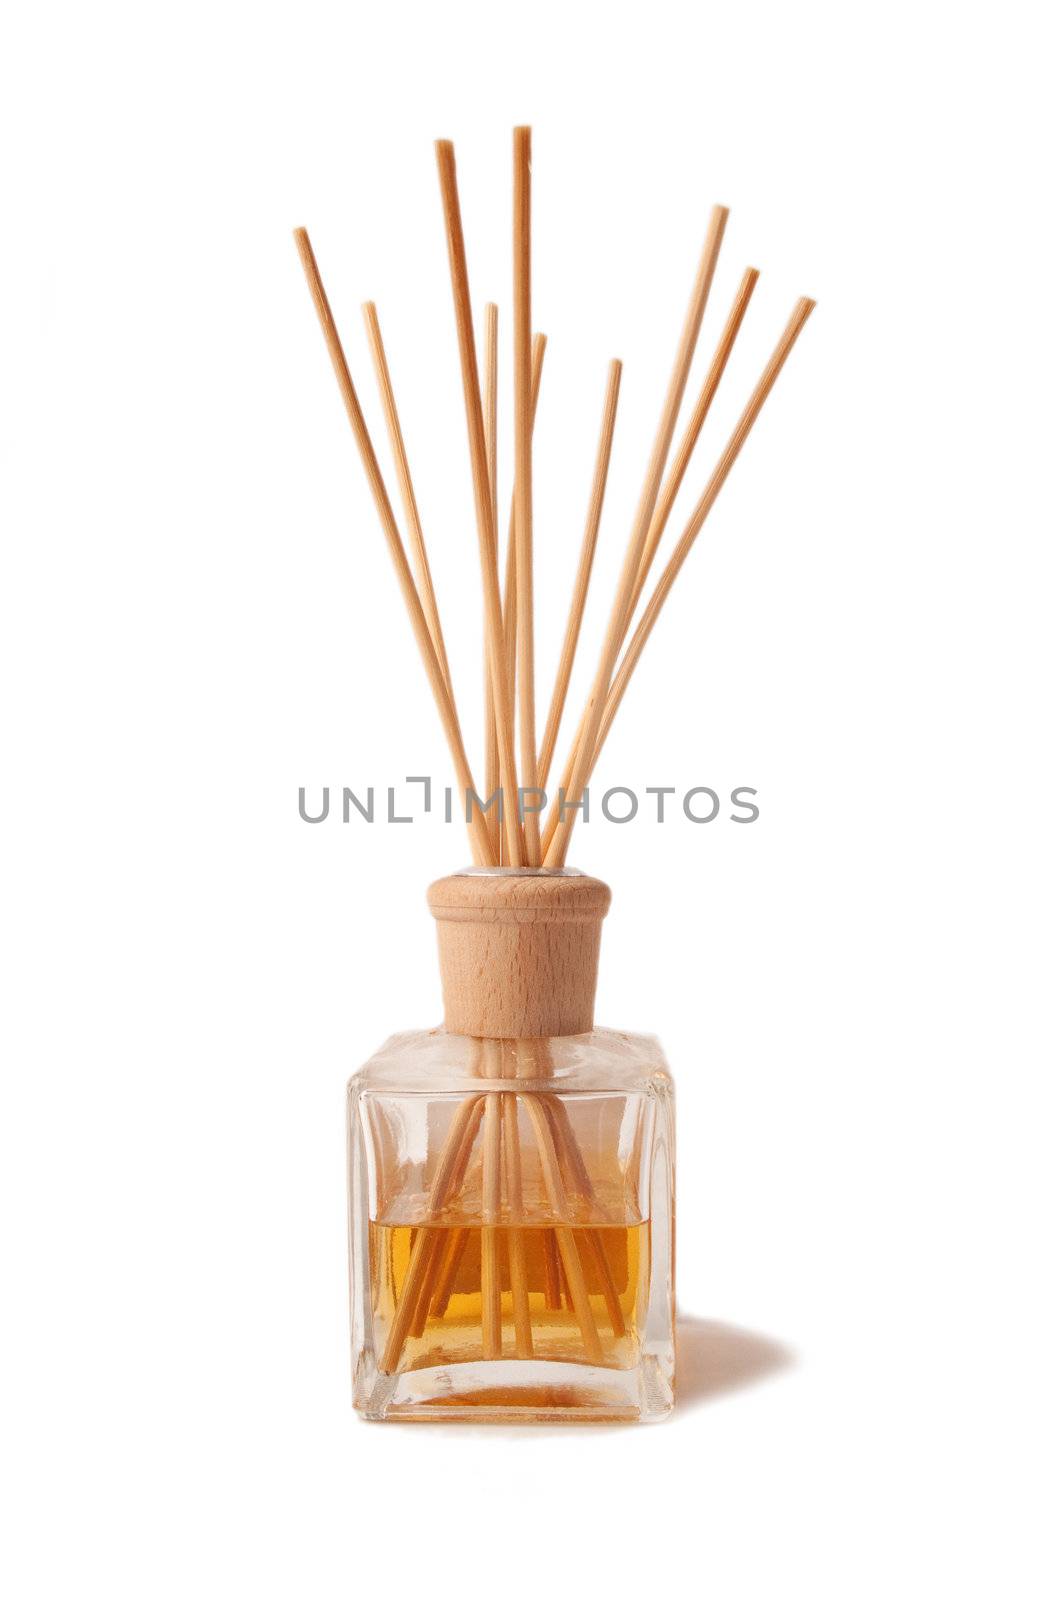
[199,616]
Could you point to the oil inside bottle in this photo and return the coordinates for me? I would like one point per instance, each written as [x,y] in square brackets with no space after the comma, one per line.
[594,1315]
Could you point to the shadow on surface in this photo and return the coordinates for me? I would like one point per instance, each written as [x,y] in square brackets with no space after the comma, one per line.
[714,1358]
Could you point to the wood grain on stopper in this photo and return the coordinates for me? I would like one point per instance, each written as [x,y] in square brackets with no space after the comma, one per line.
[518,953]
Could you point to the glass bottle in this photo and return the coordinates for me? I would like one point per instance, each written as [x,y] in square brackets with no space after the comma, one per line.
[511,1180]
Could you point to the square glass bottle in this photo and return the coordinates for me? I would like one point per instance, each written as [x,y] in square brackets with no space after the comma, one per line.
[512,1180]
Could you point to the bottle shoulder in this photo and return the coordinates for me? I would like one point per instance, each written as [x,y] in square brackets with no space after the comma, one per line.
[432,1061]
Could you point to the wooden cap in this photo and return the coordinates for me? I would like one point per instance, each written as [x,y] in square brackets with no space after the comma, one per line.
[518,949]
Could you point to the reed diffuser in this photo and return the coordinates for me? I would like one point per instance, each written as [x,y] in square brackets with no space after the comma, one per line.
[512,1174]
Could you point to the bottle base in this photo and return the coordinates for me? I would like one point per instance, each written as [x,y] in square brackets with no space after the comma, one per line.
[500,1392]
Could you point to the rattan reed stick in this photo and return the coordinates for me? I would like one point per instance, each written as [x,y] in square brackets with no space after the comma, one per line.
[424,579]
[510,578]
[574,1171]
[523,480]
[446,1277]
[519,1284]
[440,1246]
[568,1249]
[490,408]
[555,853]
[552,1272]
[583,572]
[481,845]
[673,482]
[451,1166]
[510,583]
[491,1316]
[446,162]
[760,394]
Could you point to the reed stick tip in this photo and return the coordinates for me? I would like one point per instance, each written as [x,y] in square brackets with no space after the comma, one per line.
[306,250]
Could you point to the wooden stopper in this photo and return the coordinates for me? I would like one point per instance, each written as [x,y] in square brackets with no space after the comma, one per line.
[518,950]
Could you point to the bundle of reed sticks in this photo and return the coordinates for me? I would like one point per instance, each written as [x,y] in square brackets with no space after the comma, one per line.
[517,764]
[487,1125]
